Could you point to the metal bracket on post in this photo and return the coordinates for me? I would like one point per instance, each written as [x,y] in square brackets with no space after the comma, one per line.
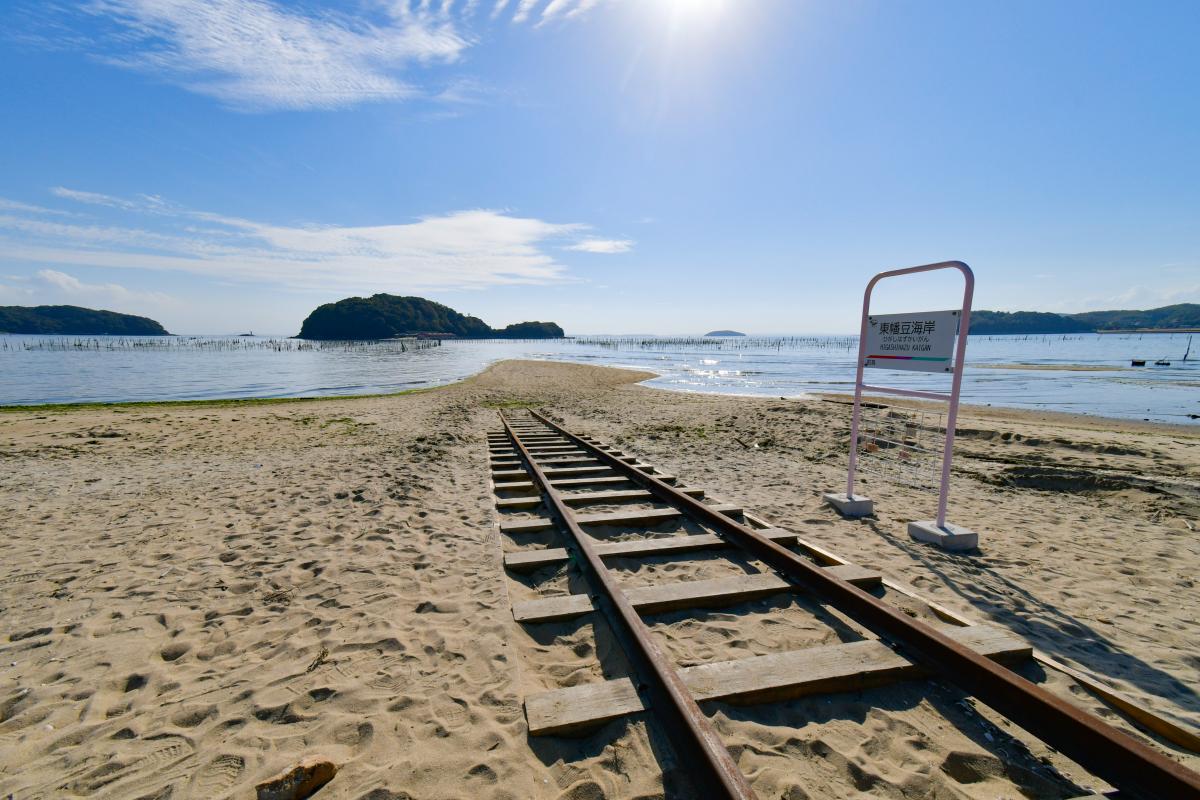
[950,537]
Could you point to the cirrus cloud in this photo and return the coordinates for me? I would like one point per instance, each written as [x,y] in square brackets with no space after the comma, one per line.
[606,246]
[255,54]
[267,55]
[93,198]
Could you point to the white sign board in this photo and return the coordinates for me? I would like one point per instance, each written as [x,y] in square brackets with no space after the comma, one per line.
[921,342]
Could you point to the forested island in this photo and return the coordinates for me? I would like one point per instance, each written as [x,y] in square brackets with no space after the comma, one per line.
[75,321]
[386,316]
[724,333]
[1182,316]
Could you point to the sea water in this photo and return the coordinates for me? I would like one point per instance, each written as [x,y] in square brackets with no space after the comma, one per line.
[1088,374]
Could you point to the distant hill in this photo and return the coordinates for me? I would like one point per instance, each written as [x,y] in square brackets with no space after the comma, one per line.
[1182,315]
[384,316]
[1002,322]
[724,333]
[73,320]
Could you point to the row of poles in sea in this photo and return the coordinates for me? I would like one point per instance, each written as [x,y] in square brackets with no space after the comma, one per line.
[720,343]
[406,344]
[764,342]
[216,344]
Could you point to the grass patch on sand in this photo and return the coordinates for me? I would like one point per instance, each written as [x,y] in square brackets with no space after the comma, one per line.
[234,402]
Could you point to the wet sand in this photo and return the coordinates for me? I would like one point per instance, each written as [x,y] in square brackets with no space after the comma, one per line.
[195,597]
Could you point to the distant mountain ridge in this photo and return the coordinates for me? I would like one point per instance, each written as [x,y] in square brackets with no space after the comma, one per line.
[75,320]
[1179,316]
[385,316]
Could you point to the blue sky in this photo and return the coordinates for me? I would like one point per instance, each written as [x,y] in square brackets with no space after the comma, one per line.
[640,166]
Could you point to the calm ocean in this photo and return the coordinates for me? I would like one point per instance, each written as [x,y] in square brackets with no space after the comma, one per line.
[47,369]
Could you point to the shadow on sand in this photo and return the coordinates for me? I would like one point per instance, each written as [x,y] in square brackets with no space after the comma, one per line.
[1043,624]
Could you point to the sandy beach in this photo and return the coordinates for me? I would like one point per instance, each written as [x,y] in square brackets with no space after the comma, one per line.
[196,596]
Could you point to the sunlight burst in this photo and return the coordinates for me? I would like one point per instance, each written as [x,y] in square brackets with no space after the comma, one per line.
[696,8]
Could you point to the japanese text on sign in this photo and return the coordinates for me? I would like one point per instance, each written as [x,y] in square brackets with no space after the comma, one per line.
[922,342]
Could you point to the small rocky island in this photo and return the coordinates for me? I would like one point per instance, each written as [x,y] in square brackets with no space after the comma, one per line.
[724,333]
[387,316]
[75,321]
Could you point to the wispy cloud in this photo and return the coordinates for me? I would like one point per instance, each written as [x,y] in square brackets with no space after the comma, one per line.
[468,249]
[28,208]
[263,55]
[602,246]
[254,54]
[524,9]
[499,8]
[1167,291]
[15,294]
[52,287]
[553,9]
[582,8]
[565,9]
[71,287]
[146,203]
[1144,296]
[93,198]
[464,91]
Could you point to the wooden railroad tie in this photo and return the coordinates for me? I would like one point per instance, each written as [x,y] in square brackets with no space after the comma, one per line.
[530,560]
[575,483]
[559,460]
[553,471]
[649,516]
[683,594]
[779,676]
[587,498]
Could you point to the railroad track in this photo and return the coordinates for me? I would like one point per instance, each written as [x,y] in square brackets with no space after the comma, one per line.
[548,479]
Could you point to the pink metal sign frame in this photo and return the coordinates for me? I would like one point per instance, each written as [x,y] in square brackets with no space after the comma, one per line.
[960,351]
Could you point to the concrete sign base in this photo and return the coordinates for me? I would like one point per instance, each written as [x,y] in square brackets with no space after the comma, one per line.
[856,506]
[947,537]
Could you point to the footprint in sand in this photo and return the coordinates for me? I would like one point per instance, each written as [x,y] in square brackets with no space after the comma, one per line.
[166,760]
[452,713]
[355,735]
[218,775]
[192,716]
[484,773]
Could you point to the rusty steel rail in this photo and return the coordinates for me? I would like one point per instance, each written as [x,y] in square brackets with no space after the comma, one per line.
[693,735]
[1131,766]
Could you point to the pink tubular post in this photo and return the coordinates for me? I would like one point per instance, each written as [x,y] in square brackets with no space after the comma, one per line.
[959,357]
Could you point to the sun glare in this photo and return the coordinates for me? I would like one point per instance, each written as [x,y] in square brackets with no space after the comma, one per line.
[696,9]
[693,19]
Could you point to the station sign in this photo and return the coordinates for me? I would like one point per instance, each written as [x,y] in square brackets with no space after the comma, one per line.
[917,342]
